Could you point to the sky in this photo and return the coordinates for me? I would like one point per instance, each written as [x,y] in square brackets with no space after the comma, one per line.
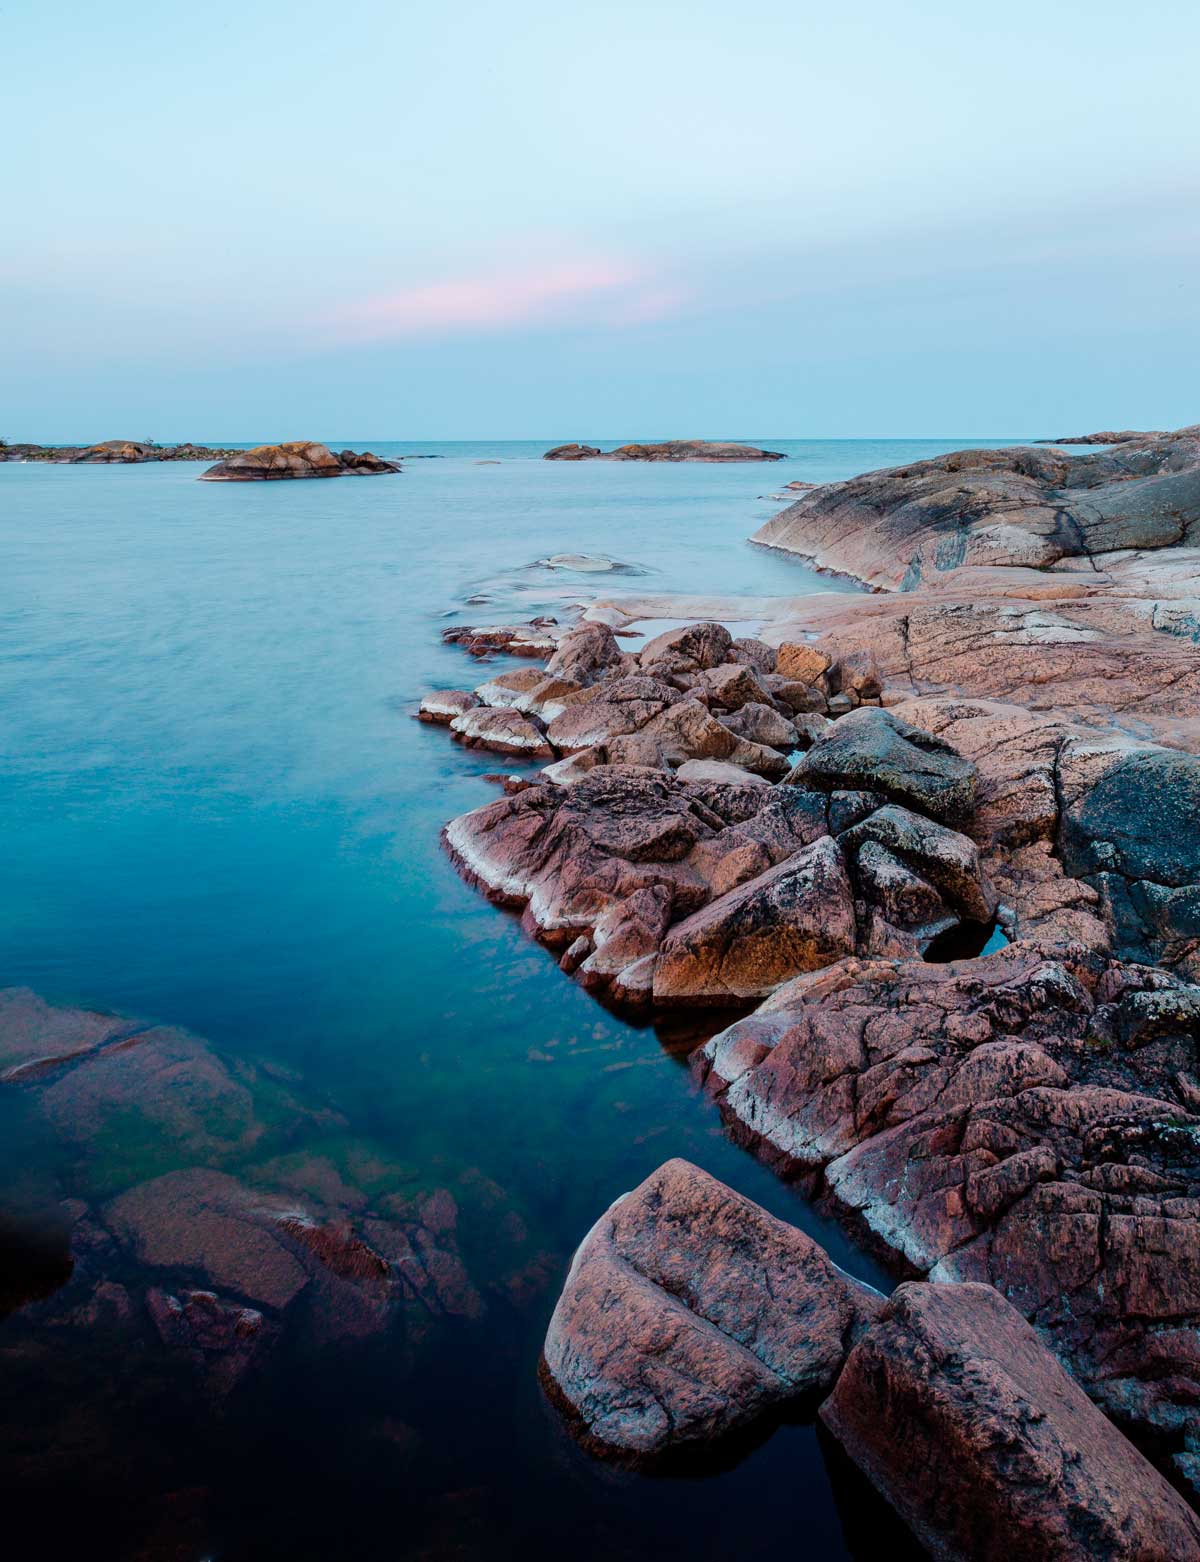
[546,220]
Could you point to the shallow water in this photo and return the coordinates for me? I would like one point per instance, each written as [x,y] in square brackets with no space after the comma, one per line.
[218,813]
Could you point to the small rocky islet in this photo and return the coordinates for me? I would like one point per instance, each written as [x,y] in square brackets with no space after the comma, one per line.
[297,459]
[666,450]
[800,824]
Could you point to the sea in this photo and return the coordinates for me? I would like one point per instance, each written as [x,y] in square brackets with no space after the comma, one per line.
[217,811]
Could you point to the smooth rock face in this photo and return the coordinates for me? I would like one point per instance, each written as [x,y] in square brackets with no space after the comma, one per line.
[689,1312]
[990,1452]
[299,458]
[1023,506]
[670,450]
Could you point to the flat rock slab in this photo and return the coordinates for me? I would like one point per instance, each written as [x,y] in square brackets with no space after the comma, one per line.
[968,1425]
[689,1312]
[209,1223]
[36,1036]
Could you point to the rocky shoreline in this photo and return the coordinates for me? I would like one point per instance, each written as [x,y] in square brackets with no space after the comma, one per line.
[998,747]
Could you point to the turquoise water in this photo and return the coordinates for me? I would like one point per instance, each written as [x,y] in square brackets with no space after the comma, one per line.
[217,812]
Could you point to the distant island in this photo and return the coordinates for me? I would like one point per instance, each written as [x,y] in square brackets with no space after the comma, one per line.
[125,452]
[667,450]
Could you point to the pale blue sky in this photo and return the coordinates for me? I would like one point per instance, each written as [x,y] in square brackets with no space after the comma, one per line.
[531,219]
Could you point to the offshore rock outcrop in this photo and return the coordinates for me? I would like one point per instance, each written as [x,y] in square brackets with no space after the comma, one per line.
[667,450]
[1109,436]
[298,458]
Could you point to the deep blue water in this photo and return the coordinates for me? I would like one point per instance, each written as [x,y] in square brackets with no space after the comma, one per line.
[216,811]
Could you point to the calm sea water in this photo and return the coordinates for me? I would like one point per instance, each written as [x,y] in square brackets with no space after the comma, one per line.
[216,811]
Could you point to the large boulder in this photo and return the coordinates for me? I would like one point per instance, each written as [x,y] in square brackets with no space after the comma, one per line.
[874,750]
[692,648]
[1130,826]
[972,1430]
[690,1312]
[763,724]
[298,458]
[585,653]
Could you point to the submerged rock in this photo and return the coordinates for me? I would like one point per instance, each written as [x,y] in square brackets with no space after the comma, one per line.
[690,1312]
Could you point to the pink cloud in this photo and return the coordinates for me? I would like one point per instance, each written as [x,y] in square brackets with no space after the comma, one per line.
[596,289]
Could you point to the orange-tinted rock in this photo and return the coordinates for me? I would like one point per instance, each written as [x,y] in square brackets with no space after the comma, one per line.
[795,917]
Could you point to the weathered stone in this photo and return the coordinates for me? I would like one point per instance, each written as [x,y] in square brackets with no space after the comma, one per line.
[585,653]
[944,858]
[972,1430]
[805,663]
[874,750]
[443,706]
[690,1312]
[763,724]
[693,648]
[732,685]
[300,458]
[795,917]
[501,731]
[1020,506]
